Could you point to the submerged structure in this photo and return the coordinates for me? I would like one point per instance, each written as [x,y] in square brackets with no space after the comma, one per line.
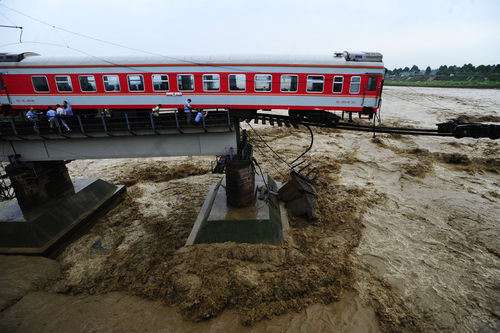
[221,219]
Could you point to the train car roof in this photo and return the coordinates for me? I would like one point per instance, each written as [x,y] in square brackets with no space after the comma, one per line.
[103,61]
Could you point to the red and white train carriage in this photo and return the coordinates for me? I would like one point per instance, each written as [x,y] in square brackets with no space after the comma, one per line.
[343,81]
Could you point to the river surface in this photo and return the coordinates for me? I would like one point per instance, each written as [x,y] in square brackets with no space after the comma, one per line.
[406,240]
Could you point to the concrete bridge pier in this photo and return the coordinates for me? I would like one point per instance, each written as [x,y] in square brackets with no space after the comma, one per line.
[38,184]
[49,205]
[242,207]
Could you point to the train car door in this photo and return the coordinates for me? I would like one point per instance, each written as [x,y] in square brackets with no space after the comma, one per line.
[370,98]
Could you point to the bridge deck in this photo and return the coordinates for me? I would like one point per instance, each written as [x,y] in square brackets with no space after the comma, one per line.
[123,134]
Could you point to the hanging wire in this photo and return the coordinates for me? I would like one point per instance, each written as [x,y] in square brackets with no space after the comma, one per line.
[82,52]
[271,149]
[270,161]
[7,18]
[433,101]
[15,27]
[413,102]
[308,148]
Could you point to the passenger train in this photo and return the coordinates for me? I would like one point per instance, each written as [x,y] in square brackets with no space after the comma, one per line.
[346,81]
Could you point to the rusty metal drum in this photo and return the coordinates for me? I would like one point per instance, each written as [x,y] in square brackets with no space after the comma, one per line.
[240,183]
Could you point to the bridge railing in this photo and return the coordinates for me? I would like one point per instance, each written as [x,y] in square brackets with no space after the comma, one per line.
[111,124]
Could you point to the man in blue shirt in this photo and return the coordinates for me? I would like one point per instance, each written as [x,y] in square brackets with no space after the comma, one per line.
[187,110]
[31,115]
[68,111]
[60,115]
[52,114]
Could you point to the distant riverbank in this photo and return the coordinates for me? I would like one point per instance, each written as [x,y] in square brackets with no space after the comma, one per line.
[446,84]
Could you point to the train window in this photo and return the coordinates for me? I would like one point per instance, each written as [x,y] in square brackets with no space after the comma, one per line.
[160,82]
[372,83]
[263,82]
[237,82]
[40,83]
[289,82]
[355,84]
[2,86]
[135,82]
[185,81]
[338,82]
[63,83]
[87,83]
[111,82]
[211,82]
[315,83]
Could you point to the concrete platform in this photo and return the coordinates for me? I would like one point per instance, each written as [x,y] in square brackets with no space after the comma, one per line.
[35,232]
[261,223]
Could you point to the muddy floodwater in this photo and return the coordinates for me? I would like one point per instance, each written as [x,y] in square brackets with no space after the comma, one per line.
[406,240]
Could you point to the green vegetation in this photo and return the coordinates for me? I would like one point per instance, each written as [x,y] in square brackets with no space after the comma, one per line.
[445,84]
[467,76]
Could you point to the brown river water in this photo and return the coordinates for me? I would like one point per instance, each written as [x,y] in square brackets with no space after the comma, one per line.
[406,240]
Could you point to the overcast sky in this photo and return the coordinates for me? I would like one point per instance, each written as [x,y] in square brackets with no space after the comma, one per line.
[406,32]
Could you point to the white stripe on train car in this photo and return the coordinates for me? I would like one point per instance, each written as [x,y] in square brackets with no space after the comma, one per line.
[218,100]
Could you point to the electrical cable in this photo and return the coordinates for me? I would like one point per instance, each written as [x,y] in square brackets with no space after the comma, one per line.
[264,155]
[308,148]
[8,19]
[272,162]
[275,153]
[413,102]
[15,27]
[426,97]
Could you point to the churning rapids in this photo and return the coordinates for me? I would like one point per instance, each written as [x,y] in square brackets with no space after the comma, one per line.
[406,240]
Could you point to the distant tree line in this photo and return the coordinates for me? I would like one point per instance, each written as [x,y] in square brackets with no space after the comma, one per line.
[445,70]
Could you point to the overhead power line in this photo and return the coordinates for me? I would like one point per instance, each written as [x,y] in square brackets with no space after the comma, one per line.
[108,42]
[231,68]
[14,27]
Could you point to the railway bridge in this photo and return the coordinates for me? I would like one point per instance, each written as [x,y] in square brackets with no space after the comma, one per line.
[125,134]
[49,203]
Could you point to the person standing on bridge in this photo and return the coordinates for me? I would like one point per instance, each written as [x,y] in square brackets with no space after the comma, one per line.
[60,115]
[68,111]
[32,116]
[200,115]
[187,110]
[51,114]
